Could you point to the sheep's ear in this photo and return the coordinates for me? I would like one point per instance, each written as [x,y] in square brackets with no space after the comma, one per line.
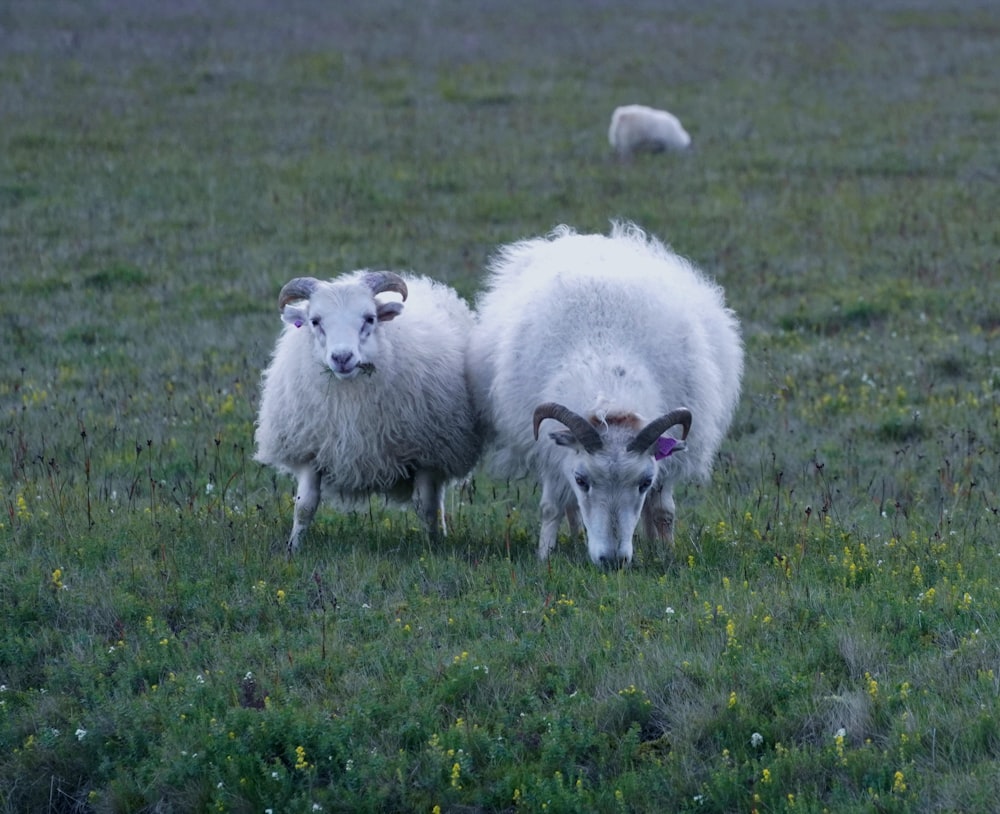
[295,314]
[564,438]
[388,310]
[666,446]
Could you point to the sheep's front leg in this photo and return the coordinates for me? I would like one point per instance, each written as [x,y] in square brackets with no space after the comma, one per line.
[573,518]
[658,515]
[428,502]
[552,515]
[306,500]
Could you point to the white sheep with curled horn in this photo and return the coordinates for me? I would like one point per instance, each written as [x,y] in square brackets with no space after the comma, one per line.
[362,396]
[622,342]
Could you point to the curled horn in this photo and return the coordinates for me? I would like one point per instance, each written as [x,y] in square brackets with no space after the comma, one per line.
[301,288]
[582,429]
[654,429]
[379,281]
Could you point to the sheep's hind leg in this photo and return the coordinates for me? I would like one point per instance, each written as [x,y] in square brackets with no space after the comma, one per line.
[306,500]
[428,502]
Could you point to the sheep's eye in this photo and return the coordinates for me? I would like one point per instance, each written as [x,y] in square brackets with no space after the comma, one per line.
[369,319]
[315,322]
[582,482]
[645,483]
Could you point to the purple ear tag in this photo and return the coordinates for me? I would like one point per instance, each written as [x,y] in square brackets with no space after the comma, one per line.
[297,323]
[665,447]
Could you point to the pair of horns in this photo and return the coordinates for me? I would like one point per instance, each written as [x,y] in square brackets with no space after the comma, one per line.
[302,288]
[588,437]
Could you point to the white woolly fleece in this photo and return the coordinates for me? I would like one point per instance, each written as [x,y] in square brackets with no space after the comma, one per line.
[602,325]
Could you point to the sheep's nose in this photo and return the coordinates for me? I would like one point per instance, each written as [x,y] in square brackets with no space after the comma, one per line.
[613,562]
[341,360]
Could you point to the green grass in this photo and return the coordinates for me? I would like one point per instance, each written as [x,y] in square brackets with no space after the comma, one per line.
[824,637]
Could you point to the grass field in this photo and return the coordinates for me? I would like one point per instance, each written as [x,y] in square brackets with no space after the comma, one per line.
[825,635]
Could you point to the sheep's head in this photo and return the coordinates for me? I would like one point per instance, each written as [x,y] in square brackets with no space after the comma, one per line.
[343,317]
[612,472]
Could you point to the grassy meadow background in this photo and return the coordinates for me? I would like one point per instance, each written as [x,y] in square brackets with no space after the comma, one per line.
[825,635]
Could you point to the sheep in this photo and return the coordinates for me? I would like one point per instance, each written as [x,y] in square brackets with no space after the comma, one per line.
[362,397]
[619,340]
[636,128]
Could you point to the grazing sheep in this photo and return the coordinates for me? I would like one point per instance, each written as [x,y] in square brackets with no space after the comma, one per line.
[618,339]
[636,128]
[363,397]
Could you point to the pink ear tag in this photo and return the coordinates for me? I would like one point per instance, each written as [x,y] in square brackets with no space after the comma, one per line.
[665,447]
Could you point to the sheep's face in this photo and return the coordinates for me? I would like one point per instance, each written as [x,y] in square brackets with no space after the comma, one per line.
[343,321]
[610,486]
[610,475]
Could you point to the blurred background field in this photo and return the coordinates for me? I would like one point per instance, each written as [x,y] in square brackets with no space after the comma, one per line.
[824,636]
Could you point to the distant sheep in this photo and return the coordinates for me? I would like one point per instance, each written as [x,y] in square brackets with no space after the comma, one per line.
[619,340]
[363,397]
[637,128]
